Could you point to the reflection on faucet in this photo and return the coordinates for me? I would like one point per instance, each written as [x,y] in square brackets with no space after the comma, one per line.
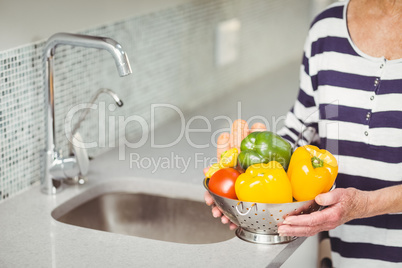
[77,153]
[56,167]
[107,91]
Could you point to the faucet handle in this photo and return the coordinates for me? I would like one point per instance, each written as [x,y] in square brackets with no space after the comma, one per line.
[70,169]
[75,174]
[80,154]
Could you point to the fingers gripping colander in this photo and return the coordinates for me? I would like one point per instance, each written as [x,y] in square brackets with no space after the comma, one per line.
[258,222]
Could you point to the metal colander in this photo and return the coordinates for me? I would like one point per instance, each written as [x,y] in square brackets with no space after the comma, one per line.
[258,222]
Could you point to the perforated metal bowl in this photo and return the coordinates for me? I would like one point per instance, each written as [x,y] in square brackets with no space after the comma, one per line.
[258,222]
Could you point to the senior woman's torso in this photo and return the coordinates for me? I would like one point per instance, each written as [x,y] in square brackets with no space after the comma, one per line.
[357,86]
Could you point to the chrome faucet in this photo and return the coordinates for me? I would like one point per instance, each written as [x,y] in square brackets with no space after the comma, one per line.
[56,167]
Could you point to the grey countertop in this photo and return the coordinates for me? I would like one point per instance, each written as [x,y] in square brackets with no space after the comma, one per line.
[30,237]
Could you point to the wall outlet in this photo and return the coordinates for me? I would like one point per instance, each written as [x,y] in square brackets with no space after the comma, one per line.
[227,42]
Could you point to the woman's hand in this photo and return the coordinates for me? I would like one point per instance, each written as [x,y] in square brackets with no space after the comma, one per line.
[216,212]
[343,205]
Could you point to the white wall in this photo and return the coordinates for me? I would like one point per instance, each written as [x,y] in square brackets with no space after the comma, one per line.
[26,21]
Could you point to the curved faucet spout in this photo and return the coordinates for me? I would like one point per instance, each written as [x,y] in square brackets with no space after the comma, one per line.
[123,68]
[113,47]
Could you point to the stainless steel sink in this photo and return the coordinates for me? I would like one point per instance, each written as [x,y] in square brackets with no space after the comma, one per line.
[148,216]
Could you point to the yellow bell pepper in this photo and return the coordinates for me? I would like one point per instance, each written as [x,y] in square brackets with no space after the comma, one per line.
[212,169]
[264,183]
[311,172]
[228,159]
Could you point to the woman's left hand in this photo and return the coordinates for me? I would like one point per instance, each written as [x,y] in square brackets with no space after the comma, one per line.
[343,205]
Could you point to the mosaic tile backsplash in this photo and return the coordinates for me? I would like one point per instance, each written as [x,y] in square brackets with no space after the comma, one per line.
[172,58]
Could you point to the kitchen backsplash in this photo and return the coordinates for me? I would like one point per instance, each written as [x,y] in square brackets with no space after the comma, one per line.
[172,54]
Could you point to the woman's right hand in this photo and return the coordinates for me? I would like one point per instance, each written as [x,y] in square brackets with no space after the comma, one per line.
[216,212]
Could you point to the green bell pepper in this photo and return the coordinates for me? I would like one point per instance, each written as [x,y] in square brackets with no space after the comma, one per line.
[264,147]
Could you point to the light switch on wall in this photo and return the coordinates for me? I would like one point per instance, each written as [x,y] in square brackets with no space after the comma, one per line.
[227,42]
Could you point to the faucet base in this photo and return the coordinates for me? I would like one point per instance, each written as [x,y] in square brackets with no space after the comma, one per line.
[80,180]
[57,187]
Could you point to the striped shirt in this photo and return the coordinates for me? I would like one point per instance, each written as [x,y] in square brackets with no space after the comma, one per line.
[354,101]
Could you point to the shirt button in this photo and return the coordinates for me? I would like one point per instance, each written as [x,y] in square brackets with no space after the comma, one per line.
[381,66]
[365,133]
[372,98]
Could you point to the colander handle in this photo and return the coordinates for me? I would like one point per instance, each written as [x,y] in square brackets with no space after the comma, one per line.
[248,211]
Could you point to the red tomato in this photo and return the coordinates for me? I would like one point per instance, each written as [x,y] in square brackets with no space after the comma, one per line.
[223,182]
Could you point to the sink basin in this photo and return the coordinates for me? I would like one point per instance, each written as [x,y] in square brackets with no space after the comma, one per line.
[146,215]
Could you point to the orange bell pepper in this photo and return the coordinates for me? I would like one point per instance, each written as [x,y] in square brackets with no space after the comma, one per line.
[311,172]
